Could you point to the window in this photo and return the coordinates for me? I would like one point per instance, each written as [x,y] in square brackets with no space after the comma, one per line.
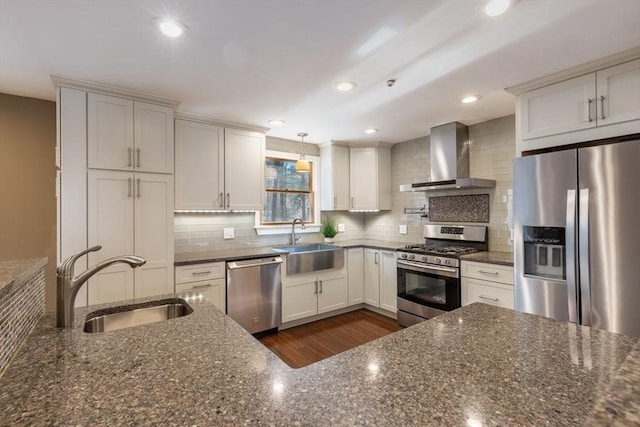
[289,194]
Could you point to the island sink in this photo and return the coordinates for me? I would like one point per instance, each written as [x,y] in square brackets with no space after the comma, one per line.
[128,316]
[312,257]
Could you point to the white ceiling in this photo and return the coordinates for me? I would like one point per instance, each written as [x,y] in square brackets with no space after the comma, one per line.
[249,61]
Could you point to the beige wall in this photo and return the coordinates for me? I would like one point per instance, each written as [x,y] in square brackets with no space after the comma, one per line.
[27,183]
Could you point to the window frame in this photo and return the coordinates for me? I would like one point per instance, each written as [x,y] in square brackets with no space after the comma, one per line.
[311,193]
[285,228]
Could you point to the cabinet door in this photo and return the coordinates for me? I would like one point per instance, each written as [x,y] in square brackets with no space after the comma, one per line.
[154,233]
[213,290]
[372,277]
[355,265]
[299,299]
[619,93]
[388,281]
[363,179]
[334,176]
[109,132]
[199,166]
[332,293]
[153,138]
[110,203]
[474,290]
[244,169]
[562,107]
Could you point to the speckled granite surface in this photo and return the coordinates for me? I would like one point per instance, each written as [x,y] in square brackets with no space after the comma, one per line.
[478,364]
[198,257]
[16,271]
[491,257]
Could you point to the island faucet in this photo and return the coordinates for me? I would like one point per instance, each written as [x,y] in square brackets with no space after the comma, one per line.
[296,220]
[68,286]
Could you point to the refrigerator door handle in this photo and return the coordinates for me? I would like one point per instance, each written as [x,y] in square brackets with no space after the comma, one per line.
[571,256]
[583,238]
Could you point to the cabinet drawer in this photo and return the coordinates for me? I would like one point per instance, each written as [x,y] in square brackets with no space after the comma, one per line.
[213,290]
[491,272]
[488,293]
[199,272]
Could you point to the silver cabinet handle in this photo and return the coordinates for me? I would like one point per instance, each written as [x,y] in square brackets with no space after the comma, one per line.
[139,188]
[570,233]
[589,102]
[493,273]
[583,263]
[316,289]
[602,107]
[138,158]
[228,200]
[200,273]
[206,285]
[130,154]
[335,202]
[376,257]
[221,199]
[320,286]
[129,180]
[351,202]
[488,298]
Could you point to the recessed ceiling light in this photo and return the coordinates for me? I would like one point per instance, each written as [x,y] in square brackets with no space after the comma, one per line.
[276,122]
[345,86]
[371,130]
[470,99]
[496,7]
[171,27]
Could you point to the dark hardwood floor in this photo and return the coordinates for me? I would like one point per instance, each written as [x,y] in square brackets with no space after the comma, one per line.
[310,343]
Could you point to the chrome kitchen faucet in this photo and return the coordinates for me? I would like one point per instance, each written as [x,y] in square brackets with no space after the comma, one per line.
[68,286]
[296,220]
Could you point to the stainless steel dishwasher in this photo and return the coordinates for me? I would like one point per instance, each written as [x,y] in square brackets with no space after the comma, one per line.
[254,293]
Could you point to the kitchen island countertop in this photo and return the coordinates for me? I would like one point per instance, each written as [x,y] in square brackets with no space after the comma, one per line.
[478,364]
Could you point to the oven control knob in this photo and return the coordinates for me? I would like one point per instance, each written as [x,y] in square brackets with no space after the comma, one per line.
[423,258]
[412,256]
[447,261]
[404,255]
[437,260]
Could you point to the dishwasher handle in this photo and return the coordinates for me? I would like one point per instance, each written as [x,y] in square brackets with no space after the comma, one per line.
[255,263]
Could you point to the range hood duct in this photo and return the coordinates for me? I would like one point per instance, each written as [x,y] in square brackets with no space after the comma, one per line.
[449,151]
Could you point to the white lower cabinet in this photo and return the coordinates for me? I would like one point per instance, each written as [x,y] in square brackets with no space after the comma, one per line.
[130,214]
[487,283]
[305,295]
[380,279]
[355,265]
[203,281]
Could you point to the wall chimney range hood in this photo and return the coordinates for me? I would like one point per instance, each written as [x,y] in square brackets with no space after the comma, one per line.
[449,150]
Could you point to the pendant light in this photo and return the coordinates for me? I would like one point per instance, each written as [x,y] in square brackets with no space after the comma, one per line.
[302,165]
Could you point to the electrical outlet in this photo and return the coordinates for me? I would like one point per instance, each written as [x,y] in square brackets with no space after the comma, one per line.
[229,233]
[403,229]
[341,228]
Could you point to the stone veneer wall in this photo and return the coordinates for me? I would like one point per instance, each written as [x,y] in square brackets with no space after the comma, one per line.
[21,305]
[492,149]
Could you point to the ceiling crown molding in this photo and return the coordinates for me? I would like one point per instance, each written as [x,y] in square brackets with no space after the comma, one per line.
[63,81]
[204,119]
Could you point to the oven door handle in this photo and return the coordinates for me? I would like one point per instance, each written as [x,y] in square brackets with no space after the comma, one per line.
[414,266]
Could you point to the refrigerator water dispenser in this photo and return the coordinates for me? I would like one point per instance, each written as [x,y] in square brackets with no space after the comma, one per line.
[544,252]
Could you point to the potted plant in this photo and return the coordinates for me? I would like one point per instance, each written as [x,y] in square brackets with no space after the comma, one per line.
[328,229]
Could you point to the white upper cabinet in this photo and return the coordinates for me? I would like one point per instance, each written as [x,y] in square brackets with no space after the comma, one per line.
[199,166]
[370,178]
[218,168]
[618,93]
[334,175]
[129,135]
[243,169]
[602,104]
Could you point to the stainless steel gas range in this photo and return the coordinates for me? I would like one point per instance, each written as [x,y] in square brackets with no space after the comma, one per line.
[429,273]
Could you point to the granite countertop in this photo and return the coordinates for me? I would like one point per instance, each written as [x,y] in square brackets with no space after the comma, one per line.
[15,271]
[216,255]
[476,365]
[490,257]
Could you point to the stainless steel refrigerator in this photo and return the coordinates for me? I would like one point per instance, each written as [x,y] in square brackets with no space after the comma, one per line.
[577,236]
